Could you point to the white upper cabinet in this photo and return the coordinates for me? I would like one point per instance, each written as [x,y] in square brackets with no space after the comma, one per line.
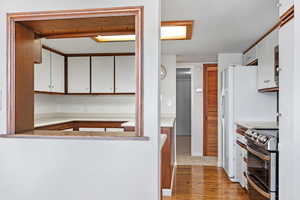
[42,73]
[125,74]
[266,61]
[285,5]
[49,75]
[79,74]
[250,56]
[57,73]
[102,74]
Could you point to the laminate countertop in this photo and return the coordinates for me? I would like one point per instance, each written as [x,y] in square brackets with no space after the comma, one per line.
[164,122]
[258,124]
[129,121]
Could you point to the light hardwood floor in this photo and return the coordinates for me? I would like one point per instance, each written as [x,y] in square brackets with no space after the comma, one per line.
[204,183]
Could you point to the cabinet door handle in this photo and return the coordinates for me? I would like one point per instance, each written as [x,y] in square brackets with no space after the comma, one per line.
[266,81]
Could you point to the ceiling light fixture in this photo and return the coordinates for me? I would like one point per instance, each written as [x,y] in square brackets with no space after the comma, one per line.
[170,30]
[114,38]
[173,32]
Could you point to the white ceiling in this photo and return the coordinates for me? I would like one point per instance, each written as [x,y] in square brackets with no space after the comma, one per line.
[220,26]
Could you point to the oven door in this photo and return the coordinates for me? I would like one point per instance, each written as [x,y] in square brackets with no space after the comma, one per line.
[257,191]
[262,166]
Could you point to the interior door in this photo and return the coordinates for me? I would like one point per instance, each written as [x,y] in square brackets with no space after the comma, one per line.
[103,74]
[125,74]
[42,73]
[57,73]
[79,74]
[210,109]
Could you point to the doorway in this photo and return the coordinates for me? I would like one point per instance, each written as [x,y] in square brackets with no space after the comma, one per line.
[183,110]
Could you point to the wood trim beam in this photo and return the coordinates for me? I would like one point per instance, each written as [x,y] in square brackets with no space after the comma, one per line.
[80,35]
[277,25]
[53,50]
[273,89]
[99,54]
[287,16]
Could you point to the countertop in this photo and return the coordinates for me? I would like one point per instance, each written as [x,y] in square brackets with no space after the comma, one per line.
[164,122]
[64,118]
[77,135]
[258,124]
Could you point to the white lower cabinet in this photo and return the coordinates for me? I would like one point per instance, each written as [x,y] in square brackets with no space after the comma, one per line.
[125,81]
[79,75]
[102,74]
[49,75]
[241,166]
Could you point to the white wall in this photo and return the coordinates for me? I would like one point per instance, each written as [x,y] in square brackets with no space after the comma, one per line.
[196,107]
[45,104]
[74,169]
[168,86]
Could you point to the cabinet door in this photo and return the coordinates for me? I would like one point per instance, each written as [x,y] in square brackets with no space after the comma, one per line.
[266,61]
[250,56]
[79,74]
[103,74]
[42,73]
[285,5]
[57,73]
[125,74]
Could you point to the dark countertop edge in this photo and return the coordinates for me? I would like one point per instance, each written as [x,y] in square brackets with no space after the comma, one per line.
[109,138]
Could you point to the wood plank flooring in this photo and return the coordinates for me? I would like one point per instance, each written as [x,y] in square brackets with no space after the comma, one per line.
[204,183]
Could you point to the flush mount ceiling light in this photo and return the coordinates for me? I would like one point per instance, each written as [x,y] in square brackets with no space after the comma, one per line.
[114,38]
[173,33]
[170,30]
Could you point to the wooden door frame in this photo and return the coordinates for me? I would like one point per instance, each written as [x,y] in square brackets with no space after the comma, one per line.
[12,18]
[205,69]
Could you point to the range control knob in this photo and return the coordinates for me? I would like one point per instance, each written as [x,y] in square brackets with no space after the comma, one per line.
[254,135]
[263,139]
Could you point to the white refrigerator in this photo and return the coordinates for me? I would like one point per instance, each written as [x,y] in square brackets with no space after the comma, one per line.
[241,101]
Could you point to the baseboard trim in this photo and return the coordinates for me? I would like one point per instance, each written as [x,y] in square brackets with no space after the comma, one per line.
[168,192]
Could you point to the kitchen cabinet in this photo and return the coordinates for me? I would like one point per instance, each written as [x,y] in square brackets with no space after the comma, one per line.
[266,61]
[125,79]
[49,74]
[250,56]
[42,73]
[285,5]
[57,73]
[79,75]
[102,74]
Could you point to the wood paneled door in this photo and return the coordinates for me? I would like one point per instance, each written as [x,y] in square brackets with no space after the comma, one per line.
[210,99]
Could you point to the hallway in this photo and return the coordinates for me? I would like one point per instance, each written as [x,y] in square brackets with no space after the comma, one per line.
[204,183]
[184,157]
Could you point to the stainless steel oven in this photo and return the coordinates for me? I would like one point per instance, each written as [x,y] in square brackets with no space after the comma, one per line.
[262,173]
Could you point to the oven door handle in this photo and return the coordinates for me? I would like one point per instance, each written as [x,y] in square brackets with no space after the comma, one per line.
[258,189]
[258,154]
